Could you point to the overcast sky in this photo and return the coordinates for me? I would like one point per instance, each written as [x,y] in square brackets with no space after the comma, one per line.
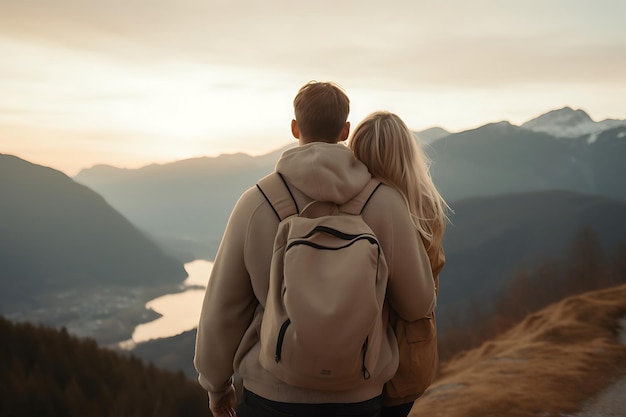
[132,82]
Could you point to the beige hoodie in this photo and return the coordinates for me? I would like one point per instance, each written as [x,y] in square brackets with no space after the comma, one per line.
[228,331]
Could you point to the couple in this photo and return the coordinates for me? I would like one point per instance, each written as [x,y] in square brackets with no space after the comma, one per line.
[406,213]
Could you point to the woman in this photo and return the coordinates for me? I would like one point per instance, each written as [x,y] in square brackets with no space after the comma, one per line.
[384,143]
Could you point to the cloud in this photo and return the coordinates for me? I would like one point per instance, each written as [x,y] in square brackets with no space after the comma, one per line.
[395,44]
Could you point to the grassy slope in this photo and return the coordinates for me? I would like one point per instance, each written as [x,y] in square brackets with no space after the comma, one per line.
[549,364]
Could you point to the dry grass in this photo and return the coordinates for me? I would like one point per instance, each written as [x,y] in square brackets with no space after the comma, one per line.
[548,365]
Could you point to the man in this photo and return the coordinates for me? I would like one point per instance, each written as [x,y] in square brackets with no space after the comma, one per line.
[320,169]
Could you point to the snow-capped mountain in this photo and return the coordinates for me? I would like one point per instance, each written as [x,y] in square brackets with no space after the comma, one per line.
[570,123]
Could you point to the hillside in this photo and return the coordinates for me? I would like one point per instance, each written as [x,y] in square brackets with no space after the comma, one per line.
[492,238]
[47,372]
[59,235]
[549,365]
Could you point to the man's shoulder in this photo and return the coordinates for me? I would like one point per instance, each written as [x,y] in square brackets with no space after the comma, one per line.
[251,197]
[251,202]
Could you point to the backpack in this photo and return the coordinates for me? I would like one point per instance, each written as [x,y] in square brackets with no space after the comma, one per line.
[322,327]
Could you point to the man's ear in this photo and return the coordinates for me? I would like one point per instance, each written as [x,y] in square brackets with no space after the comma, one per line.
[294,129]
[345,132]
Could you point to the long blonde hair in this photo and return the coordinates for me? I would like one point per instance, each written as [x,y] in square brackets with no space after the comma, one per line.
[384,143]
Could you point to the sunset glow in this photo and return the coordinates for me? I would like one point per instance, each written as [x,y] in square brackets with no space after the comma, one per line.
[134,83]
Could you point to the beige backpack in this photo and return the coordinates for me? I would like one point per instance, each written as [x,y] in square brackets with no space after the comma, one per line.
[322,327]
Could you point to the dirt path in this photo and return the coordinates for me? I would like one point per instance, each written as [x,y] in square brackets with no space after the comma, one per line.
[612,401]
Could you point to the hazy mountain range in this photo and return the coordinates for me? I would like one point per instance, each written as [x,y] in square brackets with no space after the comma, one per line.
[187,203]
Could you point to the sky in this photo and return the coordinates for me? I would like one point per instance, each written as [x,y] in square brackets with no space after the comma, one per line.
[133,82]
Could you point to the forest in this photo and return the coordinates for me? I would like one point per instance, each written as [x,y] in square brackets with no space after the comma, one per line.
[48,372]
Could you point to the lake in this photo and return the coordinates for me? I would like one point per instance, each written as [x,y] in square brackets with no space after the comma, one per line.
[179,311]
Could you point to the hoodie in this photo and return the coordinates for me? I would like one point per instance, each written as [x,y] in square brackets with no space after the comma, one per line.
[228,331]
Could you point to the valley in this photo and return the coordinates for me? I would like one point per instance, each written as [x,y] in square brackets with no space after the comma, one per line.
[107,315]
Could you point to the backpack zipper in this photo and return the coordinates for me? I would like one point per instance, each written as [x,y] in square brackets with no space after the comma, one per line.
[364,371]
[344,236]
[281,339]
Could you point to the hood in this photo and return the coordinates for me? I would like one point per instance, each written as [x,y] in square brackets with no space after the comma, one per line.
[324,171]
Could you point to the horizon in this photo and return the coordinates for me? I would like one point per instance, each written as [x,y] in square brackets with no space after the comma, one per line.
[130,84]
[77,169]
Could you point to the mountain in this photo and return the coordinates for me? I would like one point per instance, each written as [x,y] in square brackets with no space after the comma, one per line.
[58,235]
[501,158]
[48,372]
[185,205]
[551,364]
[570,123]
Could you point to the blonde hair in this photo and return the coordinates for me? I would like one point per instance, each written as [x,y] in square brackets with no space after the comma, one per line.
[384,143]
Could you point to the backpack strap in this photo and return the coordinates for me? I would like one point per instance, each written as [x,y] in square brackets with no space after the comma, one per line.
[276,191]
[358,203]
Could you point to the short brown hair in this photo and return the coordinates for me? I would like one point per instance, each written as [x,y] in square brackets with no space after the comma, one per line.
[321,110]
